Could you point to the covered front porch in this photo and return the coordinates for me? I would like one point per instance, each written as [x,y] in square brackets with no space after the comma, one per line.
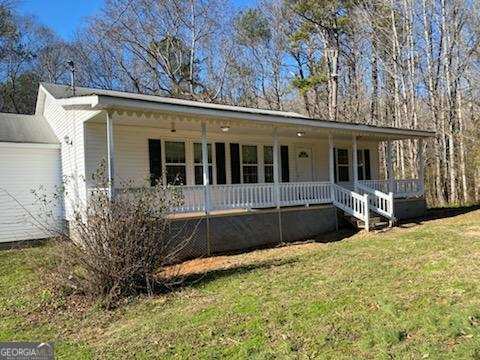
[224,163]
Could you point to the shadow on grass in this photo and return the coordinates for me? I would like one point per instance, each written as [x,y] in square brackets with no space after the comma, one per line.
[202,278]
[339,235]
[438,213]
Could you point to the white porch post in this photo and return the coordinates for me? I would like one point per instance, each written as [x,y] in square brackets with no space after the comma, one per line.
[276,177]
[110,157]
[206,179]
[331,159]
[390,176]
[421,167]
[355,161]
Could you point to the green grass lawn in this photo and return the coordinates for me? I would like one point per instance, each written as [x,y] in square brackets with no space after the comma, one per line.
[406,293]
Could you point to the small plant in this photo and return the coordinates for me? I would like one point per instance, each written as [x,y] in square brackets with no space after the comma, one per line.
[117,243]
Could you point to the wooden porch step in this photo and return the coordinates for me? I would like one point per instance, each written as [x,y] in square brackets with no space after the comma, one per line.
[376,222]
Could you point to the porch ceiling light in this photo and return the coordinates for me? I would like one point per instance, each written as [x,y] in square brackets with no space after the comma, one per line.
[300,133]
[225,128]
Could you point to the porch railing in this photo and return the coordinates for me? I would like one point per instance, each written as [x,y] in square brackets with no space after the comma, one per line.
[249,196]
[404,188]
[266,195]
[351,202]
[305,193]
[241,196]
[378,201]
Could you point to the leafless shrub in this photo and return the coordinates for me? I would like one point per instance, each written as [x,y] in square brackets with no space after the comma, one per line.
[117,244]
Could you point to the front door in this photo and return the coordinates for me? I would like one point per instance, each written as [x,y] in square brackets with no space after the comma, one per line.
[304,164]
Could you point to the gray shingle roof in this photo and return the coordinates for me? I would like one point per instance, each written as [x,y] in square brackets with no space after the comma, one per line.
[65,92]
[26,129]
[111,98]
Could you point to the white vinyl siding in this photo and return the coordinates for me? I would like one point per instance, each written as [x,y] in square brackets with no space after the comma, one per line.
[68,126]
[27,167]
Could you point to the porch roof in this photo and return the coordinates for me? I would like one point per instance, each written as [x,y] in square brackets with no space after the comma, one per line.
[98,99]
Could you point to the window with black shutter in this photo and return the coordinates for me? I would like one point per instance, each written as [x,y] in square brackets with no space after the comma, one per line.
[175,162]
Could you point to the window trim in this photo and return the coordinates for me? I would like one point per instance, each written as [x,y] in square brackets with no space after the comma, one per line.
[260,160]
[265,164]
[338,165]
[257,165]
[166,164]
[212,164]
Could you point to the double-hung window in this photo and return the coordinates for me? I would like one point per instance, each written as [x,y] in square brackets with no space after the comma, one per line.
[342,166]
[268,163]
[198,163]
[249,164]
[175,164]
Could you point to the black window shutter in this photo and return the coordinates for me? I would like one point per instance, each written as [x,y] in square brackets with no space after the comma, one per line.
[366,161]
[284,163]
[220,162]
[155,158]
[235,163]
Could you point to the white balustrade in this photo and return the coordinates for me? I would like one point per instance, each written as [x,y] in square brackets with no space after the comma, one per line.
[378,201]
[400,188]
[246,196]
[192,198]
[249,196]
[376,196]
[351,202]
[305,193]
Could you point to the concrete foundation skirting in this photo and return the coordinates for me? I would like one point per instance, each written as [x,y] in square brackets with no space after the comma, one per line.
[259,228]
[409,208]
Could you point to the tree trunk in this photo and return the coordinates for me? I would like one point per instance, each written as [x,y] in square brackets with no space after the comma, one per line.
[461,149]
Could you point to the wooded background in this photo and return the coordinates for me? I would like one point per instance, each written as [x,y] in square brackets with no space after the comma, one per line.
[406,63]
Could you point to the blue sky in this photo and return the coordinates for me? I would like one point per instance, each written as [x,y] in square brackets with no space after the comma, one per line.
[64,16]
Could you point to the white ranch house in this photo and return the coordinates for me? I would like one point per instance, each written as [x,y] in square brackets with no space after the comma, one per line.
[228,160]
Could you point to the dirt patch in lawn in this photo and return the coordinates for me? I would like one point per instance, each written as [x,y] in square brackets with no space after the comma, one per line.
[224,262]
[472,231]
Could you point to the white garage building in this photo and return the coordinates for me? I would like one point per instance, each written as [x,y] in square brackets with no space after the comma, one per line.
[29,160]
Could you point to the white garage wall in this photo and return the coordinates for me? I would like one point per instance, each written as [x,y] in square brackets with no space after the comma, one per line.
[23,168]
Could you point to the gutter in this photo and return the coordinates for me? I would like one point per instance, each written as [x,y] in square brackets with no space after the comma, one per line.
[30,145]
[105,102]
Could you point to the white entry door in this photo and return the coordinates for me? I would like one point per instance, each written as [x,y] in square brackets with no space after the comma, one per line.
[304,164]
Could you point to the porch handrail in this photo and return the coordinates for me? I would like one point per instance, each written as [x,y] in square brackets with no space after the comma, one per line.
[378,201]
[305,193]
[249,196]
[400,188]
[352,203]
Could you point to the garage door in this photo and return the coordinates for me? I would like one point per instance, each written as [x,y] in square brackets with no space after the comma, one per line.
[24,168]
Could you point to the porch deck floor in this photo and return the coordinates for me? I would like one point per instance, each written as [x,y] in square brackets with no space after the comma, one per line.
[241,211]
